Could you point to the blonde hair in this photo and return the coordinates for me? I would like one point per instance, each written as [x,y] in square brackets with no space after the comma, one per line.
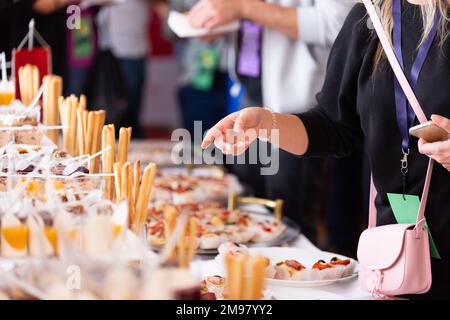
[428,10]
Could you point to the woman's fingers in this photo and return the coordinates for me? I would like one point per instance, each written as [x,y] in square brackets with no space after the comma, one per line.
[219,129]
[433,148]
[441,121]
[199,14]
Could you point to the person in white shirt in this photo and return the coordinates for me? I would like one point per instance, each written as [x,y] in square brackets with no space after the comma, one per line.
[282,50]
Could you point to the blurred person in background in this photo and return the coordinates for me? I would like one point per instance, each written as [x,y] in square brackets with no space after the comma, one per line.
[202,73]
[282,50]
[81,51]
[122,29]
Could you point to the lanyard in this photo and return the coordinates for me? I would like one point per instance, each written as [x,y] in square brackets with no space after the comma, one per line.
[405,114]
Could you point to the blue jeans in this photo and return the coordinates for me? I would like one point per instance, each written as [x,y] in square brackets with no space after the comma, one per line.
[133,72]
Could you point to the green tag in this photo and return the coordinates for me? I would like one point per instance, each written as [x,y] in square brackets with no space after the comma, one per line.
[208,60]
[406,211]
[82,39]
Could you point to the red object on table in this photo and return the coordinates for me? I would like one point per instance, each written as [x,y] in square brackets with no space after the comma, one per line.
[41,57]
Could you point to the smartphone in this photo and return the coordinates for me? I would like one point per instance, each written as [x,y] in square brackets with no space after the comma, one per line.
[429,131]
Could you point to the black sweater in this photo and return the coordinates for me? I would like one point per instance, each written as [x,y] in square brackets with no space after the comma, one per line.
[356,106]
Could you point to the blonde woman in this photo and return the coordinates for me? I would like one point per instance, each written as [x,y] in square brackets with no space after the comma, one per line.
[360,103]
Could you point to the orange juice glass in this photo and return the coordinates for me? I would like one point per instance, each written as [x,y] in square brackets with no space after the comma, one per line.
[17,236]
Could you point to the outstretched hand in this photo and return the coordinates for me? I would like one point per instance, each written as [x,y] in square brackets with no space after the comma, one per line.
[234,133]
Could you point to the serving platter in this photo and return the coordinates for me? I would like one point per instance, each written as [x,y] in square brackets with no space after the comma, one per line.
[290,233]
[307,258]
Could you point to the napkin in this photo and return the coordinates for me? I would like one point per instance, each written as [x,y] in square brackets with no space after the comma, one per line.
[179,24]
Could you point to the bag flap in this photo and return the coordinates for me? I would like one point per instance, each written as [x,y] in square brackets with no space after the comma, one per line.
[380,247]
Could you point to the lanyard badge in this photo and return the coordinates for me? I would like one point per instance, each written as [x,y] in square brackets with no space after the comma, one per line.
[405,114]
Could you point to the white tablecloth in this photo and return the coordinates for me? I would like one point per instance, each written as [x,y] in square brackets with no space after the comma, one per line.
[338,291]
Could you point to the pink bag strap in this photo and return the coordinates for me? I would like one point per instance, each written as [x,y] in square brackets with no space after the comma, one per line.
[415,105]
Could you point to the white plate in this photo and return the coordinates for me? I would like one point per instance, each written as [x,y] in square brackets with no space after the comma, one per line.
[306,258]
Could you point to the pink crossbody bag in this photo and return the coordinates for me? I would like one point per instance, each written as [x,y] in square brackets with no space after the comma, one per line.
[395,259]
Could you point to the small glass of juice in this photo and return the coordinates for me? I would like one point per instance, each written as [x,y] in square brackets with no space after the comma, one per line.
[7,93]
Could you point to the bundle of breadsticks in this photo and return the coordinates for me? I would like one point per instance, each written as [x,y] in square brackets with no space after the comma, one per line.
[68,112]
[52,92]
[109,156]
[136,190]
[186,243]
[81,128]
[29,82]
[245,277]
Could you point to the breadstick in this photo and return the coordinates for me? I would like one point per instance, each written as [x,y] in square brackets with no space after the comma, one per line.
[93,137]
[256,283]
[192,244]
[72,126]
[105,163]
[234,265]
[97,142]
[64,112]
[111,142]
[130,198]
[145,191]
[118,180]
[181,250]
[121,153]
[170,217]
[28,83]
[51,102]
[21,83]
[129,131]
[83,102]
[124,181]
[136,180]
[35,81]
[90,133]
[80,132]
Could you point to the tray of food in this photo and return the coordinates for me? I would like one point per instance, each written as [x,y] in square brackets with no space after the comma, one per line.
[218,225]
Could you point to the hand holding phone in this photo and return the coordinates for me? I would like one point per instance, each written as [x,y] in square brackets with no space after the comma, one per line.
[429,132]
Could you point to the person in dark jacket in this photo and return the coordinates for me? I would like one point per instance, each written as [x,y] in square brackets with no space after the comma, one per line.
[357,106]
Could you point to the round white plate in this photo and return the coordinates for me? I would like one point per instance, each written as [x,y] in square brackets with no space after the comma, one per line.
[307,258]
